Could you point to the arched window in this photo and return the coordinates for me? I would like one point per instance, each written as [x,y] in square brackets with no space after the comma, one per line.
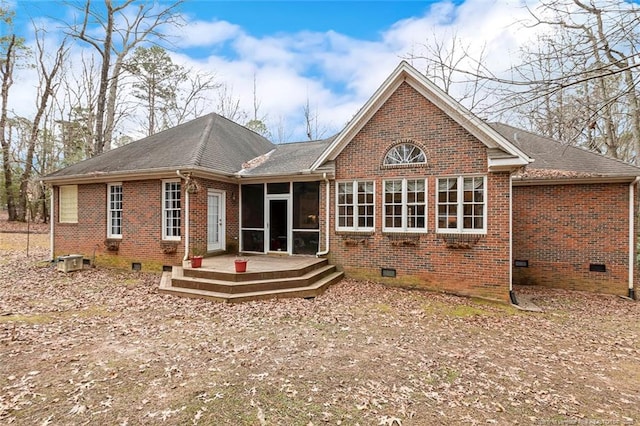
[404,153]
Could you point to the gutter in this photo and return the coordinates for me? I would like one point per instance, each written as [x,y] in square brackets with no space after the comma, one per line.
[327,214]
[632,236]
[186,219]
[51,220]
[512,294]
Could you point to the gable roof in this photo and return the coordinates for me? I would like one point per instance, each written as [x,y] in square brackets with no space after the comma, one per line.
[210,143]
[502,155]
[555,160]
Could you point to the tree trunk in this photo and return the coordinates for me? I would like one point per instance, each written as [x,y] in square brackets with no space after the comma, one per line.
[7,81]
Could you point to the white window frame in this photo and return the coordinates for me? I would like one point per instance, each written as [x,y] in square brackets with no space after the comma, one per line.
[403,154]
[165,211]
[460,229]
[68,204]
[405,206]
[355,205]
[111,210]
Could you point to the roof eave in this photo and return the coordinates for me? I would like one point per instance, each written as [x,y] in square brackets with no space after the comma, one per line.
[128,175]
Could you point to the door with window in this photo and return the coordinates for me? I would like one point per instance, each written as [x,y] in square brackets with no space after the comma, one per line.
[278,224]
[215,221]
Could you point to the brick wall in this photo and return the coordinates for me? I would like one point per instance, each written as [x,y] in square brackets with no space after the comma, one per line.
[424,260]
[562,229]
[142,224]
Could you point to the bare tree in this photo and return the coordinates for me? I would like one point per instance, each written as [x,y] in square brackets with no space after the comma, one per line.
[121,28]
[228,105]
[46,90]
[7,65]
[578,82]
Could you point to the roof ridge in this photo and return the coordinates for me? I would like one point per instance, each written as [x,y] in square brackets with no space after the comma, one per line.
[203,139]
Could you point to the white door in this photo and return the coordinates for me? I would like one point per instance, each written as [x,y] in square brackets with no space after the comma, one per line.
[215,221]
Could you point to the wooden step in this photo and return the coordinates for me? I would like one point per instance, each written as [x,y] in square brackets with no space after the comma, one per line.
[312,290]
[178,279]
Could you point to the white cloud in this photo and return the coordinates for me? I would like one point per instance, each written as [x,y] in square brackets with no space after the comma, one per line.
[334,72]
[201,33]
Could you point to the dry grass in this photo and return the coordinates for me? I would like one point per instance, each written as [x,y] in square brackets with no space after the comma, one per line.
[102,346]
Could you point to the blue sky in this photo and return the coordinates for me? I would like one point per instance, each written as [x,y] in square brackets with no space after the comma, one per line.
[331,54]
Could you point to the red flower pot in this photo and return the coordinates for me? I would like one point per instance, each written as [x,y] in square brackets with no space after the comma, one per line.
[241,265]
[196,261]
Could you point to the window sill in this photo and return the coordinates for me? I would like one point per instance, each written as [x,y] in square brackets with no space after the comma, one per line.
[347,233]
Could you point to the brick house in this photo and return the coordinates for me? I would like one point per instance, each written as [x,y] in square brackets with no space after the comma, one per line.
[415,191]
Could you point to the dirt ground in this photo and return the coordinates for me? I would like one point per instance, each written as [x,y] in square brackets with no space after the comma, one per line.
[100,346]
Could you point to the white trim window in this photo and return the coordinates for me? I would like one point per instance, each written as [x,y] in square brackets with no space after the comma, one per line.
[68,204]
[462,204]
[405,205]
[114,210]
[405,153]
[171,209]
[355,204]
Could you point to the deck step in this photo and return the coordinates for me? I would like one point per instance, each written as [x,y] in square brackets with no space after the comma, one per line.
[312,290]
[178,279]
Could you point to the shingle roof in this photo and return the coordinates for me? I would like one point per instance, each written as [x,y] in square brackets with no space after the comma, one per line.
[554,159]
[212,142]
[288,158]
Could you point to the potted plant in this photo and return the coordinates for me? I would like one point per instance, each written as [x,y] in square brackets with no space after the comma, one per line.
[241,264]
[196,258]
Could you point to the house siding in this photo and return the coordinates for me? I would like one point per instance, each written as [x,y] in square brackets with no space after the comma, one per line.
[423,260]
[562,229]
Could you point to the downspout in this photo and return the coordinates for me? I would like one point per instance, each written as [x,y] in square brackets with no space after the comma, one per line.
[512,295]
[327,216]
[632,235]
[51,220]
[186,218]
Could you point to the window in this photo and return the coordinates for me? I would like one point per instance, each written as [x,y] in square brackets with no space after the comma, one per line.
[404,153]
[171,210]
[355,205]
[68,207]
[114,210]
[462,204]
[405,205]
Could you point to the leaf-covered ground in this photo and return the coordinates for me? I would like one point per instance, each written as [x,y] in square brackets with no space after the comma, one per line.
[103,347]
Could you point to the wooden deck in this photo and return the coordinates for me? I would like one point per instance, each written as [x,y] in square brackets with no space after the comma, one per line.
[266,277]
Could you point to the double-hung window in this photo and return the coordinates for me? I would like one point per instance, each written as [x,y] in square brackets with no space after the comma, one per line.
[462,204]
[171,210]
[355,206]
[405,205]
[114,210]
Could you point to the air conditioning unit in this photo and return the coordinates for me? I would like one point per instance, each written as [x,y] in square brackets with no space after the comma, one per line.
[70,263]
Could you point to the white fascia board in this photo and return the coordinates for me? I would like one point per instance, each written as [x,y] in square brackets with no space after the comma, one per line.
[505,164]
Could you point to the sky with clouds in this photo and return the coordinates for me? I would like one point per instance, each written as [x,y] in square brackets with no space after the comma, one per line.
[331,54]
